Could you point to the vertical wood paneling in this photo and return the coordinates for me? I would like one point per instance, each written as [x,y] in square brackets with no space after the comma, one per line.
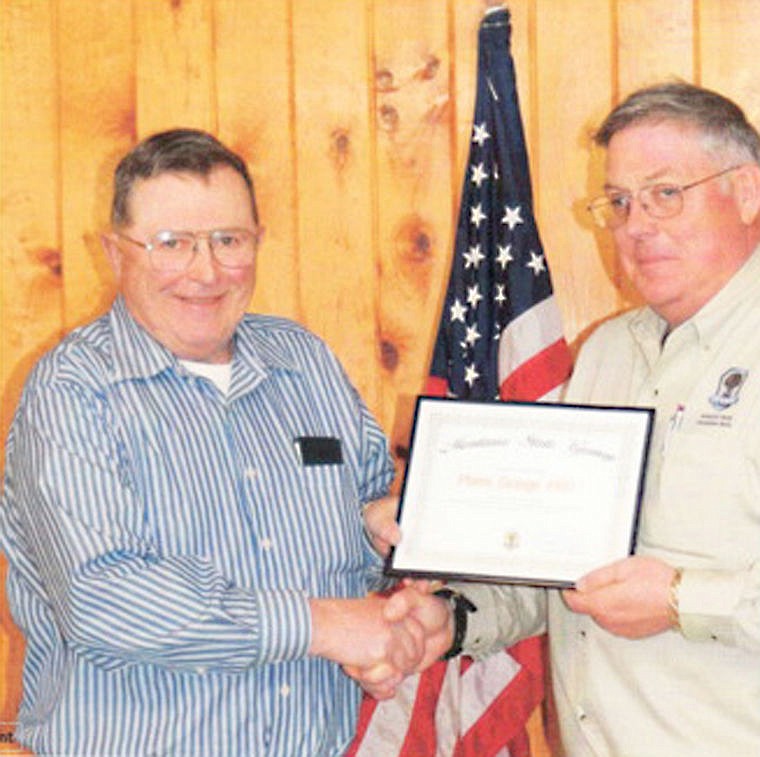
[356,120]
[412,107]
[30,269]
[573,59]
[336,235]
[254,95]
[30,274]
[97,127]
[174,65]
[728,46]
[654,41]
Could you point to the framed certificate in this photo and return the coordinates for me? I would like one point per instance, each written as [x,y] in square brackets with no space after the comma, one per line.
[525,493]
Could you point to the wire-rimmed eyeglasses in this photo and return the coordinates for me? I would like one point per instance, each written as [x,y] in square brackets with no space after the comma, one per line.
[659,200]
[175,250]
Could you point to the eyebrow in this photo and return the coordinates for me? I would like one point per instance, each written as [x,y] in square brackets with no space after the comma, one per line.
[648,180]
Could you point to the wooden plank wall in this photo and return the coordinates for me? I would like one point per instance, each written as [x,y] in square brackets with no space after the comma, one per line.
[355,118]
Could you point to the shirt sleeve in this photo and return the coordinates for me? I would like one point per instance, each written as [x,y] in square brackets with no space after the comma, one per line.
[376,477]
[80,530]
[504,616]
[721,606]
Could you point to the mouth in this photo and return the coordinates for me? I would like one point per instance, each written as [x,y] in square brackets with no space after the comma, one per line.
[204,301]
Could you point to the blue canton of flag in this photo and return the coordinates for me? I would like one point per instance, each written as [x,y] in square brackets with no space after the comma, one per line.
[500,326]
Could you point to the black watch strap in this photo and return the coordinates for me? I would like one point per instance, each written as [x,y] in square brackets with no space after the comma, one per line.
[461,606]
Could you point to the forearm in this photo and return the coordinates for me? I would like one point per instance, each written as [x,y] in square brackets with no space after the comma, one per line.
[179,612]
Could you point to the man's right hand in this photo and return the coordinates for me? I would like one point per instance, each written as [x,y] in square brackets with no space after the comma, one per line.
[357,633]
[412,604]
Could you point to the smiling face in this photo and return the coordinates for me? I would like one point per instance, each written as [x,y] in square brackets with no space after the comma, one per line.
[676,264]
[193,313]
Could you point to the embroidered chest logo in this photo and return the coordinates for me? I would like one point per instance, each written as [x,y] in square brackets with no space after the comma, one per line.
[729,386]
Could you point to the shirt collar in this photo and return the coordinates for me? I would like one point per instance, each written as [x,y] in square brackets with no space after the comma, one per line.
[140,355]
[743,286]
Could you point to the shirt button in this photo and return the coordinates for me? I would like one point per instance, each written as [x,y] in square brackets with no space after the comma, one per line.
[266,543]
[284,690]
[251,474]
[200,670]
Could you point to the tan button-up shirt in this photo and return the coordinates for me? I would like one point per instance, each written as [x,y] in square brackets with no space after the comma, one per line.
[673,694]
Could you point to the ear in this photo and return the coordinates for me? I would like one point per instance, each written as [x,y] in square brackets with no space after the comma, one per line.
[747,192]
[113,253]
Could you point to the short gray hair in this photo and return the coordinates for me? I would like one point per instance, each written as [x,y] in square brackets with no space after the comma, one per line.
[175,151]
[721,121]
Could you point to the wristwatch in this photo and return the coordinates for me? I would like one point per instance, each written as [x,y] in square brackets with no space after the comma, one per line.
[461,607]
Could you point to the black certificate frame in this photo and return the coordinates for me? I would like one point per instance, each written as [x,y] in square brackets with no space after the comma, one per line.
[552,449]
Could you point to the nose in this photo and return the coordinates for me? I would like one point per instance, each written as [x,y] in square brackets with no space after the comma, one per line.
[639,221]
[203,267]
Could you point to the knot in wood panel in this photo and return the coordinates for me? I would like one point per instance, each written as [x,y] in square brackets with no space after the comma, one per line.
[414,239]
[340,146]
[389,356]
[51,259]
[384,80]
[389,117]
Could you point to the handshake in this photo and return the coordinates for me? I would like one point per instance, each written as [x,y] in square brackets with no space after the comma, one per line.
[380,640]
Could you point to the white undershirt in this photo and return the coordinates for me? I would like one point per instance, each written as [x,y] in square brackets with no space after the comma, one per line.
[218,373]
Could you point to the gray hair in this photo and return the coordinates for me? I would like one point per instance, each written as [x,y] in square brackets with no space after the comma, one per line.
[721,121]
[174,151]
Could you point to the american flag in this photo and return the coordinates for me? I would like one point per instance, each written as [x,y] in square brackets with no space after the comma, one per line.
[500,337]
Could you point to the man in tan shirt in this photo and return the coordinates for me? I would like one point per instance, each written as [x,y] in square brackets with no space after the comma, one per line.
[658,655]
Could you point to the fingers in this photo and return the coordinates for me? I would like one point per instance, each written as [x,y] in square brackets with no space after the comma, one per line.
[380,681]
[601,577]
[415,596]
[406,645]
[400,604]
[380,523]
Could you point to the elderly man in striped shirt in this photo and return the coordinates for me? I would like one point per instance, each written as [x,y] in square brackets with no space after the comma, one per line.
[183,502]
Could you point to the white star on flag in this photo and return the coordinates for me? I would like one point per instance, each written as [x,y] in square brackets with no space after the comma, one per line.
[473,295]
[505,255]
[500,297]
[480,134]
[457,311]
[536,263]
[477,215]
[512,217]
[473,256]
[472,335]
[479,174]
[471,374]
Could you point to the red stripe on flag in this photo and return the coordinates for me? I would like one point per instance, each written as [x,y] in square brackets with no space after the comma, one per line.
[436,386]
[366,712]
[503,722]
[539,375]
[421,738]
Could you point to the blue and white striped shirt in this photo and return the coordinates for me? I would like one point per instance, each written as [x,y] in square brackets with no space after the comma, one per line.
[164,540]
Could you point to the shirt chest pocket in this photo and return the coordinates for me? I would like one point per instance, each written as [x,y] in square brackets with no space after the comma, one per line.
[312,512]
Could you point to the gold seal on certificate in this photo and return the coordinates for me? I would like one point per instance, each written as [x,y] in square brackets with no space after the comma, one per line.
[518,492]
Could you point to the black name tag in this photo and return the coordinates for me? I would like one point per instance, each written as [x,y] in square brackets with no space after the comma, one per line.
[318,450]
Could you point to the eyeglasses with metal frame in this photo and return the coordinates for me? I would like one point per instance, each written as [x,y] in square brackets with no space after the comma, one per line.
[174,251]
[661,200]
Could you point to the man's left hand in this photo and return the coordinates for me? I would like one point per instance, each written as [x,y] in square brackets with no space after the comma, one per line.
[380,523]
[628,598]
